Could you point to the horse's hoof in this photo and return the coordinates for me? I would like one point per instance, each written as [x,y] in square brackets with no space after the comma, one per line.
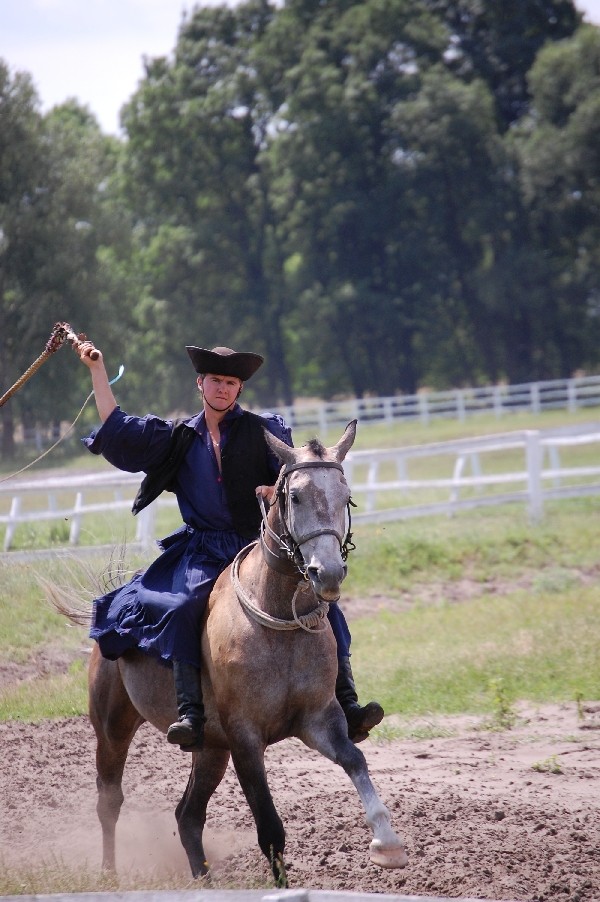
[390,857]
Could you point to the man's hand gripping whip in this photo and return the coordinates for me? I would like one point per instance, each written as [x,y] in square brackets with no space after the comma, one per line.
[60,333]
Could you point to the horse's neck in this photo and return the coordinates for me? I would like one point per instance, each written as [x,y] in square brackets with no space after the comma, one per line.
[275,588]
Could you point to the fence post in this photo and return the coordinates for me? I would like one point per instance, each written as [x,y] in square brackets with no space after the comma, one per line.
[401,469]
[571,395]
[145,527]
[15,510]
[75,530]
[388,415]
[498,400]
[371,499]
[322,417]
[533,454]
[460,405]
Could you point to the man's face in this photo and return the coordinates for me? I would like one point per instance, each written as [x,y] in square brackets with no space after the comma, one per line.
[221,392]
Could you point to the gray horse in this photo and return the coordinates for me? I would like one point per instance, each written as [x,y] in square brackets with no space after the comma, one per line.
[269,668]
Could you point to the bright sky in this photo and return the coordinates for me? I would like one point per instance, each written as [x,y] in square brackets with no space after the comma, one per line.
[93,49]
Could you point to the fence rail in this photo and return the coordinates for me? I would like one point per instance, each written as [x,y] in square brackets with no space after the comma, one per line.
[534,397]
[526,467]
[528,462]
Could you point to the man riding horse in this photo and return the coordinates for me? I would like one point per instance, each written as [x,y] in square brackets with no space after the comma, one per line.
[218,464]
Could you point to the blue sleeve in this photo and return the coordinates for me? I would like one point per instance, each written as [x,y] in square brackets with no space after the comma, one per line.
[279,428]
[130,443]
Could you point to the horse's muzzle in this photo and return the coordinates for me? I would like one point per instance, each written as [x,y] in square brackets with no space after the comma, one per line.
[326,581]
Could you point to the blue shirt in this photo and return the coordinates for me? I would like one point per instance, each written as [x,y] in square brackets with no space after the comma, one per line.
[137,444]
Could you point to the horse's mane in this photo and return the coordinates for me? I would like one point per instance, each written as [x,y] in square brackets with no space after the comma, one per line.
[316,448]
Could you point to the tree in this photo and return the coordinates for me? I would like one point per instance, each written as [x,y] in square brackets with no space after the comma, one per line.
[498,42]
[20,160]
[558,159]
[344,203]
[197,128]
[52,168]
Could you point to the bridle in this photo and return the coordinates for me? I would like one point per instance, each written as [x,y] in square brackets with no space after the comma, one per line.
[288,558]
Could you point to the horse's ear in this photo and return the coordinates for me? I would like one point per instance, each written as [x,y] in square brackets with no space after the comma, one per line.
[283,451]
[340,450]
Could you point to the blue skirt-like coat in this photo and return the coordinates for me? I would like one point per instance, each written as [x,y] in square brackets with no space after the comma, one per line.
[161,610]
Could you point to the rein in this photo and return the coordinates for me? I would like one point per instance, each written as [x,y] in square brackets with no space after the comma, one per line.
[309,622]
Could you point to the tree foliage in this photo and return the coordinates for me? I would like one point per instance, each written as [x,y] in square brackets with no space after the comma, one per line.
[375,195]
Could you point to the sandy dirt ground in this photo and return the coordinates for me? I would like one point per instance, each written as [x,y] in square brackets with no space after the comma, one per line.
[512,815]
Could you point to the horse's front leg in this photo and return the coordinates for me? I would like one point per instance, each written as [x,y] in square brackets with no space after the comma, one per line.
[248,759]
[328,734]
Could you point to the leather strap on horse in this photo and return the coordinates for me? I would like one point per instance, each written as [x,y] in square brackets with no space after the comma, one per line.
[309,621]
[60,333]
[289,558]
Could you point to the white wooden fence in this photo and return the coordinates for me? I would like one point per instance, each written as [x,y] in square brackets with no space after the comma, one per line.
[525,467]
[459,404]
[540,475]
[35,500]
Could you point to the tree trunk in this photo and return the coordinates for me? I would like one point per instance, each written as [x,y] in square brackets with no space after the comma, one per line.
[7,441]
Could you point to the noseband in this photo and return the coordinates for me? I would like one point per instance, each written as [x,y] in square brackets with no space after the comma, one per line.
[288,558]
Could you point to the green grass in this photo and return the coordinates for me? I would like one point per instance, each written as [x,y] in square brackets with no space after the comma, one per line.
[53,876]
[493,606]
[28,623]
[50,875]
[454,658]
[492,602]
[413,432]
[483,545]
[488,601]
[33,633]
[64,695]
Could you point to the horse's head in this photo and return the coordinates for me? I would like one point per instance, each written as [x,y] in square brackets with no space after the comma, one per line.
[311,501]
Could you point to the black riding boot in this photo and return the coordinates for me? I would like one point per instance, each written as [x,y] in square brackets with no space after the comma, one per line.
[188,731]
[360,719]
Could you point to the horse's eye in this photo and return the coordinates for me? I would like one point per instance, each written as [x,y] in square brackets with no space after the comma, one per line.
[294,498]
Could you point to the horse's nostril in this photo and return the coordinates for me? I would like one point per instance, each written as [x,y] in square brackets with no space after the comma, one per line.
[325,575]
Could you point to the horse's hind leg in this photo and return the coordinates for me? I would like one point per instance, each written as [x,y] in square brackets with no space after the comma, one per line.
[207,772]
[115,722]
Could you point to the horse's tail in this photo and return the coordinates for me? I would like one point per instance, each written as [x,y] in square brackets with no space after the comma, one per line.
[66,602]
[74,601]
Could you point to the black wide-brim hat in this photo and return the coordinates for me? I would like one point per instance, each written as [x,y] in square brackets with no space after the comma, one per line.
[225,362]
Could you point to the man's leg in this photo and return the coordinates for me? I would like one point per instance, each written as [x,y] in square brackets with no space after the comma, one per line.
[182,638]
[188,730]
[360,719]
